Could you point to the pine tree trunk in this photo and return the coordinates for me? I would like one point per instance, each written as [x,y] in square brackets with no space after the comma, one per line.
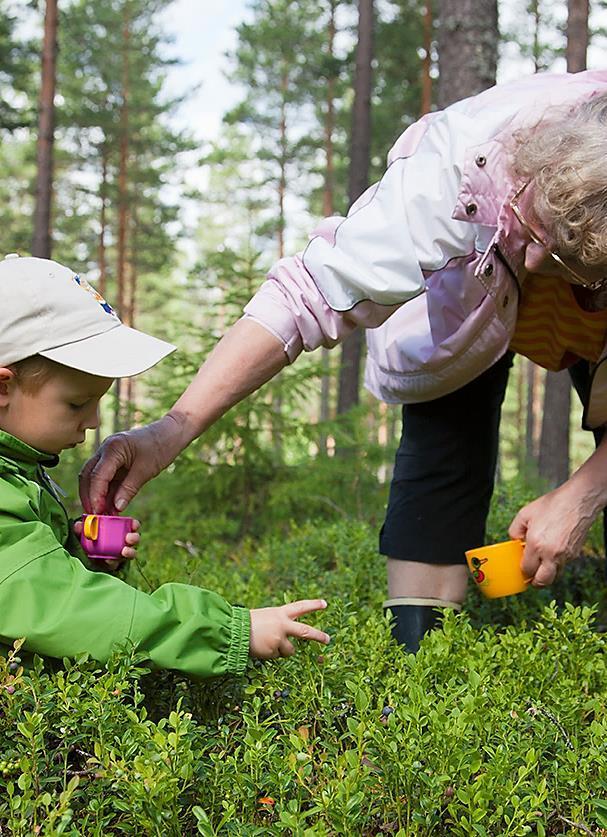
[520,416]
[41,241]
[577,35]
[427,61]
[534,8]
[103,223]
[131,383]
[123,201]
[554,462]
[467,48]
[282,181]
[535,391]
[329,127]
[554,443]
[328,209]
[531,453]
[358,180]
[275,391]
[102,284]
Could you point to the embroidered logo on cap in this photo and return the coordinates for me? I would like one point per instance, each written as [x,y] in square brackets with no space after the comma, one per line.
[86,287]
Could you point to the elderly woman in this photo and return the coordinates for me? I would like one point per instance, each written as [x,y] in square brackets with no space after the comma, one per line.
[490,223]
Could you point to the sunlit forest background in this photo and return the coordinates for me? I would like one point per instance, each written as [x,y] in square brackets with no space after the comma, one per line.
[99,172]
[498,725]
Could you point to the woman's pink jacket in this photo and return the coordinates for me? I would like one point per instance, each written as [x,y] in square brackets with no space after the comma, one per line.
[436,233]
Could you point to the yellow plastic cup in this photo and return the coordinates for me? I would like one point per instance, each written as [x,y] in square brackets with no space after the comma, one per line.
[496,568]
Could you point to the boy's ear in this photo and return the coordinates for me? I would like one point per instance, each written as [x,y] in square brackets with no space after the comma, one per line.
[7,379]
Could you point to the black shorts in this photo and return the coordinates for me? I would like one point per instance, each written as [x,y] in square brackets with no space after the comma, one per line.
[444,472]
[445,469]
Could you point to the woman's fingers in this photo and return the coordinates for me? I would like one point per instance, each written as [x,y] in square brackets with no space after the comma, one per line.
[97,478]
[546,574]
[531,561]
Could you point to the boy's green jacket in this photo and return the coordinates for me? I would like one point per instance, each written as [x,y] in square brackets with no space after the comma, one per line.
[64,609]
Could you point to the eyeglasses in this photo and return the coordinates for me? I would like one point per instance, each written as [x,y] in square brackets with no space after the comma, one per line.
[573,277]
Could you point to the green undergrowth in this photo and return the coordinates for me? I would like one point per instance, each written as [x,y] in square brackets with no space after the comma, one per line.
[497,727]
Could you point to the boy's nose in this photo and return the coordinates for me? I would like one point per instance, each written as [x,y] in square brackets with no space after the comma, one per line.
[92,420]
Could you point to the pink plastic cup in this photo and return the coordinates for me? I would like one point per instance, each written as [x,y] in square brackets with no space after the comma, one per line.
[103,536]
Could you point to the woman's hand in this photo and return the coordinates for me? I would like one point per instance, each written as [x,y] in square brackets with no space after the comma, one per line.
[554,528]
[129,551]
[125,462]
[271,627]
[245,358]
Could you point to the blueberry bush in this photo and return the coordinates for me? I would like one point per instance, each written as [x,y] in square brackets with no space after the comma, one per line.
[497,727]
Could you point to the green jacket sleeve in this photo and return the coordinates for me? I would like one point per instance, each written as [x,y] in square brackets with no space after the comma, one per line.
[64,609]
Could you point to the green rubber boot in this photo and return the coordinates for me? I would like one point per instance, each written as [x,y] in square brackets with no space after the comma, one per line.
[413,617]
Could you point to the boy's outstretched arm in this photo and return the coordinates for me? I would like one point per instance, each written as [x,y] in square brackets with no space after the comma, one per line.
[271,628]
[64,609]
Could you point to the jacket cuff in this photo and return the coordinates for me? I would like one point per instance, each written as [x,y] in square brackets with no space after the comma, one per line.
[240,632]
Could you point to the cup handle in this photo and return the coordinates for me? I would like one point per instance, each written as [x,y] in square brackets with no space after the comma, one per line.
[91,527]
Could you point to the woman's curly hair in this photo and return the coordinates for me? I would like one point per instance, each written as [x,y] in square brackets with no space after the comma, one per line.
[566,157]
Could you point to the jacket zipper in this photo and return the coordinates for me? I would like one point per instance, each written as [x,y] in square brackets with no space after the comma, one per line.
[48,484]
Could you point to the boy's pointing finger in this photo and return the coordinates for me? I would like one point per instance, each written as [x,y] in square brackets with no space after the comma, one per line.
[303,631]
[296,609]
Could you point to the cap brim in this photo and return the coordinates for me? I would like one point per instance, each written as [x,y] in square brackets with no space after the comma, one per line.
[119,352]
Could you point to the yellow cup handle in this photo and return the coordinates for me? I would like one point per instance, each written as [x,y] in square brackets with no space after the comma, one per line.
[91,527]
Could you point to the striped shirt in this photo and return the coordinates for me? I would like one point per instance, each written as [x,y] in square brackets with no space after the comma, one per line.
[552,329]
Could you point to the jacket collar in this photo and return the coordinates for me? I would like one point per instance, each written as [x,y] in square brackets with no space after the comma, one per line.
[486,189]
[15,449]
[486,183]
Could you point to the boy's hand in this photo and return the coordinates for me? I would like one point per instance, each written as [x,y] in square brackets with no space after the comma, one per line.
[271,627]
[128,552]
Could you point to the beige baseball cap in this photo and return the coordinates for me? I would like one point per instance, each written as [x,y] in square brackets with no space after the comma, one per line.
[47,309]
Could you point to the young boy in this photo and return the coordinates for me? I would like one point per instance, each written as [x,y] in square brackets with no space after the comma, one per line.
[61,346]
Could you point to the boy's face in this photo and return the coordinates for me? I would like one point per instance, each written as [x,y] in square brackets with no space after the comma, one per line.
[58,414]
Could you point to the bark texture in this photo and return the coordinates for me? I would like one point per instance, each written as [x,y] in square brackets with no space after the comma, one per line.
[467,48]
[358,180]
[41,240]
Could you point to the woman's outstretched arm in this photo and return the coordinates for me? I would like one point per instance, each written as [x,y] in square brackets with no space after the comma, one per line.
[243,360]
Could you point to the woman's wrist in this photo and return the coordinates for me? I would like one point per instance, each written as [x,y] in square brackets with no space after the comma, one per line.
[192,414]
[176,432]
[589,482]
